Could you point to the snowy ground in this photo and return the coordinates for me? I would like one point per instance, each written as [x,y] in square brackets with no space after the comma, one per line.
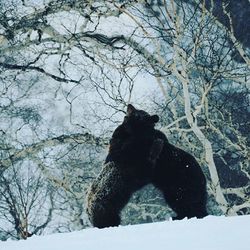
[211,233]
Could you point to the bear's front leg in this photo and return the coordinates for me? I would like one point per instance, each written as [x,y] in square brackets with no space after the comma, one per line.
[155,151]
[108,194]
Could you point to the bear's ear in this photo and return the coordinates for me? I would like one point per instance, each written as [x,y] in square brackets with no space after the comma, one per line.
[130,109]
[154,118]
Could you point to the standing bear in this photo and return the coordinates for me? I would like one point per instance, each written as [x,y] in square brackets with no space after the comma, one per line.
[138,155]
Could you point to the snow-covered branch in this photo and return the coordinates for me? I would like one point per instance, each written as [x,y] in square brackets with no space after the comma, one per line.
[30,151]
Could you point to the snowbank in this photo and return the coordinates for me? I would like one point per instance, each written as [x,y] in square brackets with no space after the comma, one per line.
[210,233]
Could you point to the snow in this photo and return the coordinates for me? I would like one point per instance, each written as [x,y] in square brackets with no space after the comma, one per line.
[210,233]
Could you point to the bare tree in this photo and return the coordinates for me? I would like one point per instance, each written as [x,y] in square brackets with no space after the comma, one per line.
[26,202]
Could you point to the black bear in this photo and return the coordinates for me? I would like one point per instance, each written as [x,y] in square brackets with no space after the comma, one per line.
[138,155]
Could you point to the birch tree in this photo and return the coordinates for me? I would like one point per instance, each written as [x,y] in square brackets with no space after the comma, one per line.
[195,56]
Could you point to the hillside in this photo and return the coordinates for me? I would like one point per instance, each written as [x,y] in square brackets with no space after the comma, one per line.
[211,233]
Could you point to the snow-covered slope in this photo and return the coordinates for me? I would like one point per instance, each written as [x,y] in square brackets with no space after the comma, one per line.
[210,233]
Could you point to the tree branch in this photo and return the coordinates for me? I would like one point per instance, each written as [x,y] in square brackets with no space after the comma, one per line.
[41,70]
[52,142]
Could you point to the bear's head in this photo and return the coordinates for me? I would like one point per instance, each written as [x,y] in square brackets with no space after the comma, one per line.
[139,119]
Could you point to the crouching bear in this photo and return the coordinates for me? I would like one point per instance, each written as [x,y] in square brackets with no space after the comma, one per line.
[138,155]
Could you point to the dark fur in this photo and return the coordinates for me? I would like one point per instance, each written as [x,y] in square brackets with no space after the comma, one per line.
[138,155]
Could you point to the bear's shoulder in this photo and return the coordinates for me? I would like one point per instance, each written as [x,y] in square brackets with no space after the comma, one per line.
[160,135]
